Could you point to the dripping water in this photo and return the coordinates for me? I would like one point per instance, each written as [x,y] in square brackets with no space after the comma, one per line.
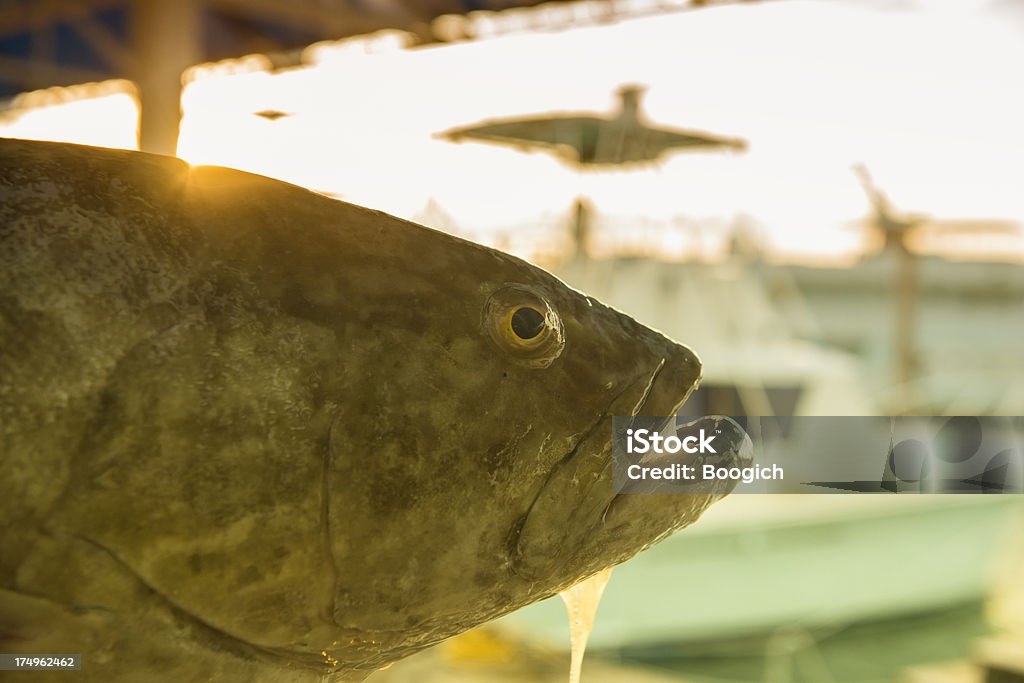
[581,603]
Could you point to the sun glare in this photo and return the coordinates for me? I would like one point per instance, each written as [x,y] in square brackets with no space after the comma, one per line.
[102,114]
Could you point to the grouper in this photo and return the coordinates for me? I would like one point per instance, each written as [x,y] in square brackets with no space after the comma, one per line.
[252,433]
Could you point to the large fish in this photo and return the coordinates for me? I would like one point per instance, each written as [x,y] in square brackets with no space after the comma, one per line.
[250,433]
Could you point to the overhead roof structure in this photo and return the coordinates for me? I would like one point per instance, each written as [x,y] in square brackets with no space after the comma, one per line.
[46,43]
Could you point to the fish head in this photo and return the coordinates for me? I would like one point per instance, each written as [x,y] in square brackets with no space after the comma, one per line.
[601,364]
[487,481]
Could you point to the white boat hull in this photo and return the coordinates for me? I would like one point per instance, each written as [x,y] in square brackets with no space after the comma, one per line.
[760,563]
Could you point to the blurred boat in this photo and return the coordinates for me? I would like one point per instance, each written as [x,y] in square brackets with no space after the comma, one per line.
[755,362]
[757,564]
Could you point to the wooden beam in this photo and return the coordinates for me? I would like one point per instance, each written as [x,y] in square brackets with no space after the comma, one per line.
[43,38]
[338,21]
[416,14]
[106,44]
[167,38]
[34,73]
[246,35]
[30,15]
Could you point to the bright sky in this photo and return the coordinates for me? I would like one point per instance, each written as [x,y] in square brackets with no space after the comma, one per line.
[929,100]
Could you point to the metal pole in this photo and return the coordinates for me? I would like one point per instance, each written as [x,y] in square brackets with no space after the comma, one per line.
[167,39]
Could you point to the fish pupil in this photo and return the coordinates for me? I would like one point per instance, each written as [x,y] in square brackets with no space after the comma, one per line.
[527,323]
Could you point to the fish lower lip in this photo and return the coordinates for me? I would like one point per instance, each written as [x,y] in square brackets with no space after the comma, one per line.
[546,534]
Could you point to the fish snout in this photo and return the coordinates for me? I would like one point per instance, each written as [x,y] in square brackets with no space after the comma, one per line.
[677,371]
[683,373]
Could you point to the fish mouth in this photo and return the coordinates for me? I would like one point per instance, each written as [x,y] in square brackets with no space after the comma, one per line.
[733,448]
[634,521]
[577,524]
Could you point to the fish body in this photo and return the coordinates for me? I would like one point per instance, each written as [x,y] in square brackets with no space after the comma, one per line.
[251,433]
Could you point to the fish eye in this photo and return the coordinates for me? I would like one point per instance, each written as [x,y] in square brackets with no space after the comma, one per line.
[527,322]
[524,326]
